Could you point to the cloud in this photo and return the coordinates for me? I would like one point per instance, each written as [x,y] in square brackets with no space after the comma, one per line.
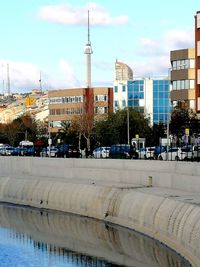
[180,39]
[25,76]
[172,40]
[153,54]
[68,74]
[71,15]
[22,75]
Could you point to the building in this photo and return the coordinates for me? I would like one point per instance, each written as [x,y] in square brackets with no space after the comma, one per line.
[183,78]
[197,61]
[146,95]
[123,72]
[66,104]
[185,74]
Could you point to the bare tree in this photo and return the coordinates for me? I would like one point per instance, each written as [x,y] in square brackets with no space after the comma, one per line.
[84,125]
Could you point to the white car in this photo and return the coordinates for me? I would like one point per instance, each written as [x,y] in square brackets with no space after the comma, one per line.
[54,152]
[174,153]
[101,152]
[146,153]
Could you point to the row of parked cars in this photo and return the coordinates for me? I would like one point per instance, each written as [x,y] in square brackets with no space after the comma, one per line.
[64,151]
[16,151]
[124,151]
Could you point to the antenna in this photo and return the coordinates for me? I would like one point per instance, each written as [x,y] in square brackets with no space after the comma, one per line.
[8,80]
[40,81]
[88,26]
[3,85]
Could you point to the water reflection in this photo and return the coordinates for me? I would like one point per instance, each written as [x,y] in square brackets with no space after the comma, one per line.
[60,239]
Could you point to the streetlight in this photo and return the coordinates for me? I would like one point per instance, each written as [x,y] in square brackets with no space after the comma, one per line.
[128,119]
[49,138]
[128,128]
[168,110]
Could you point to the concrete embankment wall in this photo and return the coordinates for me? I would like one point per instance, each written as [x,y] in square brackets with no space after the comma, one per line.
[112,190]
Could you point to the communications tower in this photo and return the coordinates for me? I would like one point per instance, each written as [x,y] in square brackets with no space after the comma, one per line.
[88,52]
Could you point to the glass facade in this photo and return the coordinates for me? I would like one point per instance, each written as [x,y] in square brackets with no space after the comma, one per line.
[160,101]
[135,94]
[137,91]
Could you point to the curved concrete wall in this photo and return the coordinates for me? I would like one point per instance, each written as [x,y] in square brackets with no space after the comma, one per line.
[115,191]
[63,230]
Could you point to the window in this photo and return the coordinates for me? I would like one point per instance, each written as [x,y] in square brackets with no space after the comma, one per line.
[116,89]
[100,98]
[191,84]
[192,63]
[116,103]
[100,110]
[124,88]
[123,103]
[174,85]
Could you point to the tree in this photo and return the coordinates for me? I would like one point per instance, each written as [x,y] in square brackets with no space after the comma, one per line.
[84,125]
[157,132]
[182,119]
[114,129]
[67,134]
[20,129]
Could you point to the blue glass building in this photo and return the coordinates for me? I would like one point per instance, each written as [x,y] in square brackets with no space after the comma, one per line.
[160,101]
[149,96]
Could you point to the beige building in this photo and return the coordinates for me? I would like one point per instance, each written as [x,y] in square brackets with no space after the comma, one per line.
[183,78]
[123,72]
[197,60]
[66,104]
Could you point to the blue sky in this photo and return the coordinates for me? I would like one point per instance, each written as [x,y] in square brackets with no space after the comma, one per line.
[49,36]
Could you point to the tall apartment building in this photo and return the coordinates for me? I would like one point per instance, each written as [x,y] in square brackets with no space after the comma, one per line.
[182,76]
[65,105]
[185,74]
[197,60]
[149,96]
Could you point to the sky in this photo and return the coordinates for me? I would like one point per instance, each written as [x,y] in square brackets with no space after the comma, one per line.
[47,38]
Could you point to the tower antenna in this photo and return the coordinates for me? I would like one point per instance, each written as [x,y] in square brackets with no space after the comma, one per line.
[88,26]
[88,52]
[40,81]
[8,80]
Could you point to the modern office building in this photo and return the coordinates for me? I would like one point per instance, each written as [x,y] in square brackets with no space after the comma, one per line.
[65,105]
[182,76]
[197,61]
[149,96]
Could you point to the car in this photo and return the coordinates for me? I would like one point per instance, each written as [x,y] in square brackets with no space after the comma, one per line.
[158,150]
[122,151]
[68,151]
[72,152]
[101,152]
[146,153]
[149,152]
[53,152]
[196,152]
[7,151]
[174,153]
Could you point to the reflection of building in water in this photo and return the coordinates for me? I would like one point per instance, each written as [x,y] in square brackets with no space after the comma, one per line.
[86,241]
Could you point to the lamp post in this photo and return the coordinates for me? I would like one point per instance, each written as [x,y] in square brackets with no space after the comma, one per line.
[128,127]
[168,111]
[49,138]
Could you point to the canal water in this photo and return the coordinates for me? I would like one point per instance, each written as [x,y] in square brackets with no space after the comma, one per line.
[36,238]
